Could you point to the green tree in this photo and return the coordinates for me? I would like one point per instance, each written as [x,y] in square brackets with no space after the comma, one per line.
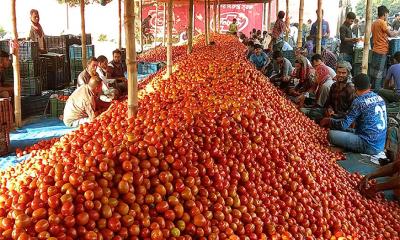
[392,5]
[2,32]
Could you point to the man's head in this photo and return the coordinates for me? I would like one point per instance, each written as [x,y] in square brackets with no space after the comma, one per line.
[316,60]
[298,64]
[95,84]
[343,70]
[396,58]
[5,60]
[277,56]
[309,21]
[350,18]
[257,49]
[361,84]
[103,62]
[383,12]
[321,11]
[258,32]
[254,31]
[397,16]
[35,18]
[265,33]
[92,65]
[234,20]
[149,17]
[117,56]
[281,15]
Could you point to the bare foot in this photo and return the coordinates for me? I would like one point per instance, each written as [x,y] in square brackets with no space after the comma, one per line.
[336,149]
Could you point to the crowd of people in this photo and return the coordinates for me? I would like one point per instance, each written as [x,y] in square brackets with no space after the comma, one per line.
[323,87]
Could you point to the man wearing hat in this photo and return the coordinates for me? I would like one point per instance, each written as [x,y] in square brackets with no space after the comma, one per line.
[259,58]
[368,112]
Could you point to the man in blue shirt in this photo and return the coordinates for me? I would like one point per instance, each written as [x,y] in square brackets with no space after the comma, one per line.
[392,94]
[325,31]
[259,58]
[368,112]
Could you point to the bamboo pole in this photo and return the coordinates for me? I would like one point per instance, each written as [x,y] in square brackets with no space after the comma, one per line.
[300,34]
[277,8]
[208,21]
[17,80]
[190,27]
[269,15]
[368,23]
[119,25]
[129,23]
[287,21]
[169,47]
[83,38]
[219,17]
[155,27]
[140,25]
[205,21]
[215,17]
[165,25]
[319,27]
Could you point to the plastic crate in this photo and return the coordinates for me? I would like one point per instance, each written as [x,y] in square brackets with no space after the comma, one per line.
[75,51]
[34,105]
[6,113]
[57,42]
[28,50]
[148,68]
[55,71]
[31,86]
[77,39]
[57,107]
[75,69]
[4,140]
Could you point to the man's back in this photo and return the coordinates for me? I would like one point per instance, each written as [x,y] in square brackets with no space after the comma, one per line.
[380,38]
[394,72]
[79,105]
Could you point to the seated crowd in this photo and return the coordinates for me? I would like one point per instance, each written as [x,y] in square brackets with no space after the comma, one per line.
[97,85]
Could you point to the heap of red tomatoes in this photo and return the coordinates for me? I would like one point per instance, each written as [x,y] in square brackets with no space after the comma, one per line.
[215,152]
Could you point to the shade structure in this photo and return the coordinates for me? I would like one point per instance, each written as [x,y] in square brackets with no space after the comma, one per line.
[216,1]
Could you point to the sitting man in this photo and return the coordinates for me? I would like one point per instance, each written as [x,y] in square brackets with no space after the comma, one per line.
[282,70]
[392,95]
[368,111]
[90,71]
[5,90]
[109,92]
[116,70]
[328,57]
[81,105]
[259,58]
[392,171]
[342,92]
[301,75]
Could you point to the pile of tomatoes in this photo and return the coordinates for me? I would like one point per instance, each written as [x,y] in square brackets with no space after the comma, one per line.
[215,152]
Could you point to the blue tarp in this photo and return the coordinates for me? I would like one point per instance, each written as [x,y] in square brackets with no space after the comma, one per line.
[28,135]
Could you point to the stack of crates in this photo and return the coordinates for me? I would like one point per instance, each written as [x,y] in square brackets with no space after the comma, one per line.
[34,105]
[31,71]
[75,55]
[55,75]
[57,106]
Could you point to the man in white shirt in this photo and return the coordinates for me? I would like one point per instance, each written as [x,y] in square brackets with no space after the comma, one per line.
[109,92]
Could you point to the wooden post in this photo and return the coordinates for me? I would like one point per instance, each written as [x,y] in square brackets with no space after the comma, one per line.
[83,38]
[208,21]
[190,27]
[219,17]
[277,8]
[269,15]
[165,24]
[215,17]
[17,80]
[300,35]
[129,23]
[169,47]
[155,27]
[287,21]
[319,27]
[367,35]
[139,22]
[205,21]
[119,25]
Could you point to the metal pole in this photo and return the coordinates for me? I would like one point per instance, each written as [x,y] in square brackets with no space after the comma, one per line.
[129,15]
[17,80]
[287,21]
[208,21]
[119,25]
[367,35]
[190,27]
[169,47]
[319,27]
[66,4]
[269,15]
[300,34]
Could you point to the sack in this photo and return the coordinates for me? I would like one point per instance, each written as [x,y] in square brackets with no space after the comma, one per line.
[392,139]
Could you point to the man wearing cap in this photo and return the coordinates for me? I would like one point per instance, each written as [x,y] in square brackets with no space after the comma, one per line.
[259,58]
[368,112]
[341,93]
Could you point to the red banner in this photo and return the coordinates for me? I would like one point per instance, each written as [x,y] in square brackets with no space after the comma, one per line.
[248,16]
